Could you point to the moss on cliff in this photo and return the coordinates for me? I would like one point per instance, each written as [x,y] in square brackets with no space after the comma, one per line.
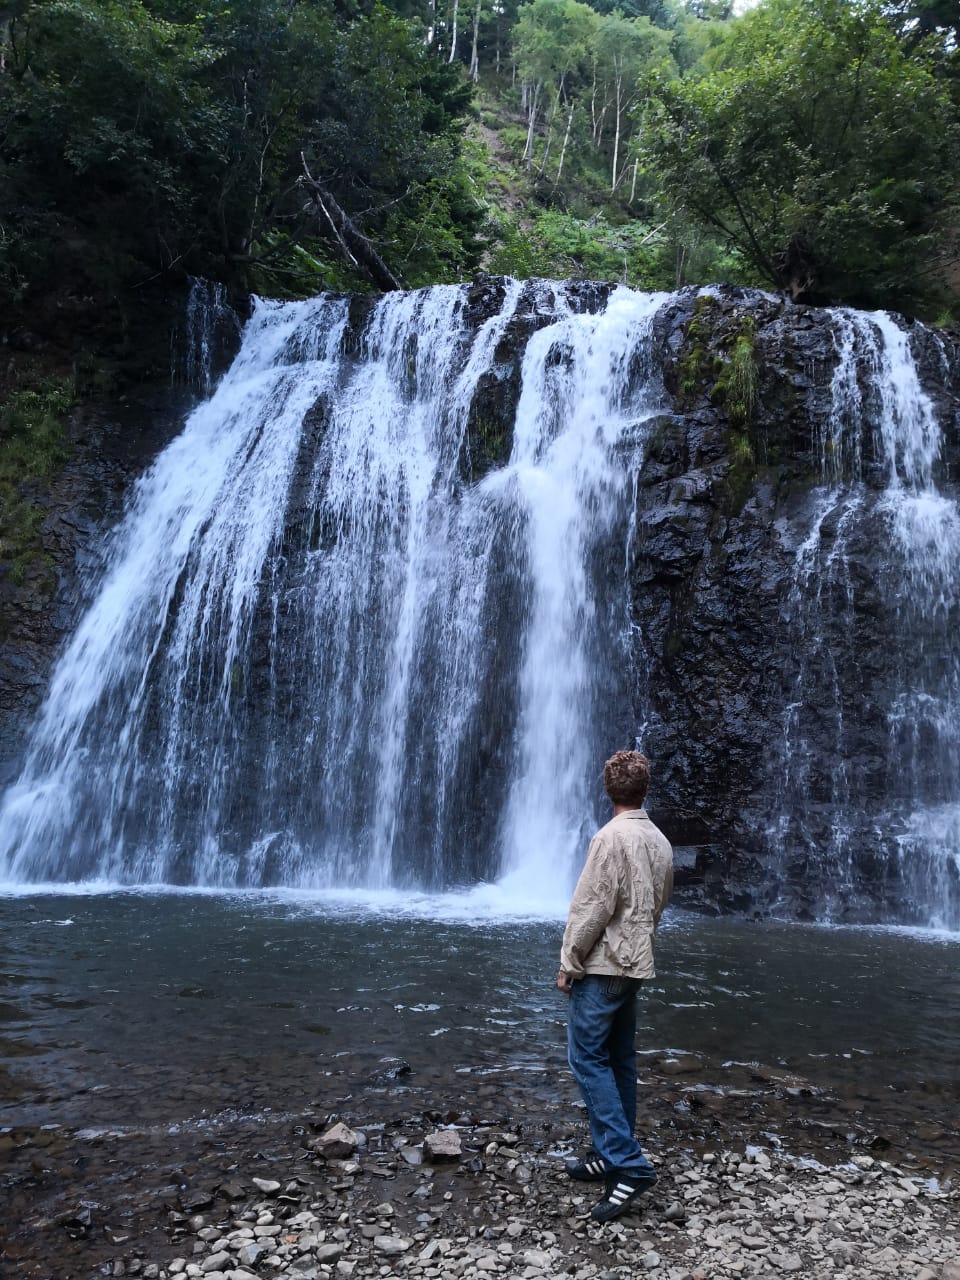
[32,446]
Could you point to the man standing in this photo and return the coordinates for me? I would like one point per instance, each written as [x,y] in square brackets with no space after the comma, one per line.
[607,952]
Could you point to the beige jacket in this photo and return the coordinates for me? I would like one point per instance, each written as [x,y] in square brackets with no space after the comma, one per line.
[625,884]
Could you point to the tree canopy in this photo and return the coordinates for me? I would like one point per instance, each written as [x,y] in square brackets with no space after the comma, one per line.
[820,149]
[141,136]
[286,146]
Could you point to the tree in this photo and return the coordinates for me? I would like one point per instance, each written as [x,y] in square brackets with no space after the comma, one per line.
[819,149]
[144,137]
[624,51]
[552,48]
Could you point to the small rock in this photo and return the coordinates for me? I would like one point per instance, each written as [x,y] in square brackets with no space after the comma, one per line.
[444,1144]
[537,1258]
[787,1261]
[678,1066]
[391,1245]
[266,1185]
[951,1270]
[339,1140]
[233,1190]
[650,1260]
[753,1242]
[216,1262]
[328,1252]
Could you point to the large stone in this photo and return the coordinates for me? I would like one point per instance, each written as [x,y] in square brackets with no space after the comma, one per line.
[392,1246]
[339,1140]
[444,1144]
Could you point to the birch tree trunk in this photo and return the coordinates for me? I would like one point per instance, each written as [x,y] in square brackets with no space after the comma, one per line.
[616,134]
[566,139]
[554,106]
[453,31]
[533,100]
[474,54]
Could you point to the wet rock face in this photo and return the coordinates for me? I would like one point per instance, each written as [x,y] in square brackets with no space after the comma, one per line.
[40,606]
[731,636]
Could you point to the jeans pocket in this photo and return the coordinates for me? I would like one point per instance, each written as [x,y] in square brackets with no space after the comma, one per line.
[617,987]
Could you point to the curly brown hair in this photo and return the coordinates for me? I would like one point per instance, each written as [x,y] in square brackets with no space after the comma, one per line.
[626,777]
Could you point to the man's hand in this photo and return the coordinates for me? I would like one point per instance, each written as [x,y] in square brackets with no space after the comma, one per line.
[564,982]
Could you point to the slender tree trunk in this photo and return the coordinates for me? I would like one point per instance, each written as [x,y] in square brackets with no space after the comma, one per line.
[453,31]
[616,136]
[633,184]
[566,139]
[339,229]
[533,101]
[474,54]
[550,119]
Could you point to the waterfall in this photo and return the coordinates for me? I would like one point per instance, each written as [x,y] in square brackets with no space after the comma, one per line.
[199,342]
[418,564]
[329,648]
[883,487]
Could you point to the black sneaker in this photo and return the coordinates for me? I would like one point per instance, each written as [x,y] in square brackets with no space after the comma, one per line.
[586,1168]
[622,1190]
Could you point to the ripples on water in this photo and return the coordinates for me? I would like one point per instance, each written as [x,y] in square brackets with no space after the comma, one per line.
[123,1008]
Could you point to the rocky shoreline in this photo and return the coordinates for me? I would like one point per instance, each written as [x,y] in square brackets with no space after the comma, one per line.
[437,1194]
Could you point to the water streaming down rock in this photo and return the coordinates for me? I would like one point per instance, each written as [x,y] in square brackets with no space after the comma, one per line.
[319,656]
[202,341]
[916,593]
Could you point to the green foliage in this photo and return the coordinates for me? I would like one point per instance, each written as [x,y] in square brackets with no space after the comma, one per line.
[697,365]
[145,137]
[31,447]
[818,149]
[560,246]
[737,384]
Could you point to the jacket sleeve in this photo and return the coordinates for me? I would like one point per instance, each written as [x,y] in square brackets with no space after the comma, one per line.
[591,908]
[663,885]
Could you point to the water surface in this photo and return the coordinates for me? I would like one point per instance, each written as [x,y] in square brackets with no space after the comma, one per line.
[126,1010]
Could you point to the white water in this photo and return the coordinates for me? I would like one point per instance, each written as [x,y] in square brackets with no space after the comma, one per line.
[319,657]
[876,381]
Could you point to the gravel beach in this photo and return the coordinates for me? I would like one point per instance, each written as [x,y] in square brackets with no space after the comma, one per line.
[770,1181]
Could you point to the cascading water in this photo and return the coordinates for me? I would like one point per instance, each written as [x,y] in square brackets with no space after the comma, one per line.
[322,654]
[375,618]
[916,834]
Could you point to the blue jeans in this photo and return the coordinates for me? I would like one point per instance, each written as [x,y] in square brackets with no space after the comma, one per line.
[601,1034]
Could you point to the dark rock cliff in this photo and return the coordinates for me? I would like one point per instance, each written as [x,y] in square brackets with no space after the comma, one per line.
[106,448]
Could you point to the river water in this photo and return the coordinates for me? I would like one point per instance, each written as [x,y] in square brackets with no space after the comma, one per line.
[134,1012]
